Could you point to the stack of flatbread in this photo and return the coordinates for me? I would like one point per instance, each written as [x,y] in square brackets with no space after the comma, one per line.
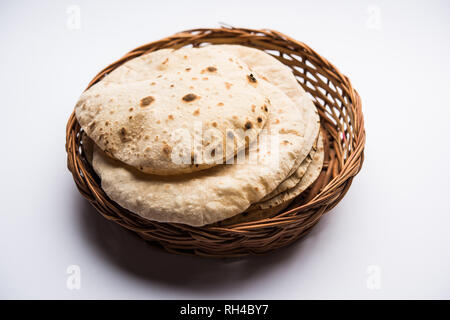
[218,134]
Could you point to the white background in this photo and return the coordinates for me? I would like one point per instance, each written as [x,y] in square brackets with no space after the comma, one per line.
[396,215]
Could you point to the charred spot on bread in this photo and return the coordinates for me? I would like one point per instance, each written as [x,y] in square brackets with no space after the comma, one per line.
[251,78]
[145,102]
[190,97]
[167,149]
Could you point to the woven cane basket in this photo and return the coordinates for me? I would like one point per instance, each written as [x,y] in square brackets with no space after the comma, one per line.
[342,123]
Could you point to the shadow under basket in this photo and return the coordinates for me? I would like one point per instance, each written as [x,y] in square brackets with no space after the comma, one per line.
[342,123]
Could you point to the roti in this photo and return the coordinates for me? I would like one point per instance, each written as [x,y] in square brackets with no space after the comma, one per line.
[170,111]
[278,74]
[220,192]
[310,176]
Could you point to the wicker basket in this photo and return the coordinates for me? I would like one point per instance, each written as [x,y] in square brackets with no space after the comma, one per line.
[339,107]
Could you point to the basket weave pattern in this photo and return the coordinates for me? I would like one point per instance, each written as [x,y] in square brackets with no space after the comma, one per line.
[342,123]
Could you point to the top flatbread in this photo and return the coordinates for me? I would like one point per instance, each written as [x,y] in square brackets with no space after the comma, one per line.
[169,112]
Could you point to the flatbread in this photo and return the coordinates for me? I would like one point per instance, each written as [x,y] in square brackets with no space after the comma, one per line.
[268,67]
[278,74]
[310,176]
[170,111]
[220,192]
[271,207]
[291,181]
[254,215]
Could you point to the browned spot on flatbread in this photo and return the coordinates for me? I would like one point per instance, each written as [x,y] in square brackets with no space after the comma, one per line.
[167,150]
[284,131]
[211,69]
[196,112]
[228,85]
[251,78]
[220,104]
[145,102]
[248,125]
[123,134]
[190,97]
